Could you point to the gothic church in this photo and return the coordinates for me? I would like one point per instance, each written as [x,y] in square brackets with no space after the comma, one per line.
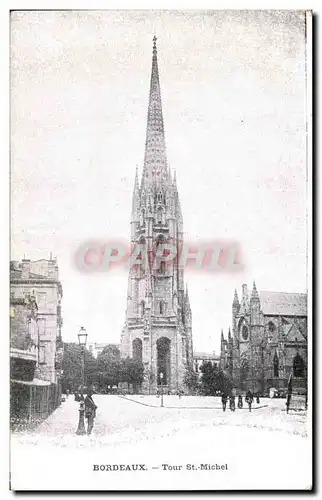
[268,342]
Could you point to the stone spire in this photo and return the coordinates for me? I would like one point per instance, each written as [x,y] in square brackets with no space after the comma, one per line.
[254,299]
[136,198]
[177,200]
[244,305]
[187,308]
[187,300]
[236,301]
[155,169]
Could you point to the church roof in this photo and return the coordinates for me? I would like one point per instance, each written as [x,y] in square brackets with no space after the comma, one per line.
[283,304]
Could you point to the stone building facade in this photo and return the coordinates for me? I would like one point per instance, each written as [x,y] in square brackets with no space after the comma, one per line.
[24,338]
[96,348]
[158,327]
[268,341]
[38,282]
[199,358]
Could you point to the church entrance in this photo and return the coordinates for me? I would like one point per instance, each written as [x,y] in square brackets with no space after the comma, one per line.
[137,349]
[163,361]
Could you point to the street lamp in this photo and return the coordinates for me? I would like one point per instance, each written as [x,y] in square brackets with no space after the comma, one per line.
[161,378]
[82,339]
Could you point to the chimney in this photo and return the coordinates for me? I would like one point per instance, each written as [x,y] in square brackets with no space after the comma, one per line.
[51,267]
[25,268]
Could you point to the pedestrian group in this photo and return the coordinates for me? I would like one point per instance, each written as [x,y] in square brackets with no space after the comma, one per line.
[249,398]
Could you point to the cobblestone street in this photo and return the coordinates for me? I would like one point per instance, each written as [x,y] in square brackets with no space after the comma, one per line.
[254,445]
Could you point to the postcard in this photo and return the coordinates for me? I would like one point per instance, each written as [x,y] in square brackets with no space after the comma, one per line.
[160,287]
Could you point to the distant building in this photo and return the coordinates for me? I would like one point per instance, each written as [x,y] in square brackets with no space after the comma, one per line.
[96,348]
[199,358]
[36,322]
[268,341]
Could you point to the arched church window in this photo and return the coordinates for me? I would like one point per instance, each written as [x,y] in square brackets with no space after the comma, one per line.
[271,327]
[276,366]
[161,308]
[142,308]
[162,267]
[160,241]
[245,332]
[140,257]
[298,366]
[142,217]
[159,215]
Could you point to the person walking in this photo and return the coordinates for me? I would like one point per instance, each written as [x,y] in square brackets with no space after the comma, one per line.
[223,401]
[90,411]
[289,393]
[240,402]
[232,404]
[257,399]
[249,399]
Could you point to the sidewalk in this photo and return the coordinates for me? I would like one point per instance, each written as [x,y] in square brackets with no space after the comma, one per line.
[63,420]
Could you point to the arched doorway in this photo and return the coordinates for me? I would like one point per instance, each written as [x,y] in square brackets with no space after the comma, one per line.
[137,349]
[298,366]
[163,360]
[276,365]
[244,373]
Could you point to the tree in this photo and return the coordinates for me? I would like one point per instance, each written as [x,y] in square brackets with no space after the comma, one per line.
[132,371]
[149,376]
[213,379]
[72,367]
[108,367]
[191,380]
[112,350]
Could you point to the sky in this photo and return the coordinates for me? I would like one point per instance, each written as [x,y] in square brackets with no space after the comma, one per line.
[234,107]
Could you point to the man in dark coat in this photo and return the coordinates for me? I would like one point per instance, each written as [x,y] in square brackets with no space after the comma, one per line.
[249,399]
[90,411]
[224,401]
[232,404]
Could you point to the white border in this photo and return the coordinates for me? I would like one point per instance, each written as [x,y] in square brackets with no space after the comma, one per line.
[4,189]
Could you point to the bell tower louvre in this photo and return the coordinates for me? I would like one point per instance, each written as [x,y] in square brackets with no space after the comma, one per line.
[158,327]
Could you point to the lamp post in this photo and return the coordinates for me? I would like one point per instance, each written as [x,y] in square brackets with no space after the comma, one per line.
[82,339]
[161,378]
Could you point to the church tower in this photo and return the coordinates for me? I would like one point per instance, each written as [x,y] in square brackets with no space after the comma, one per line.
[158,327]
